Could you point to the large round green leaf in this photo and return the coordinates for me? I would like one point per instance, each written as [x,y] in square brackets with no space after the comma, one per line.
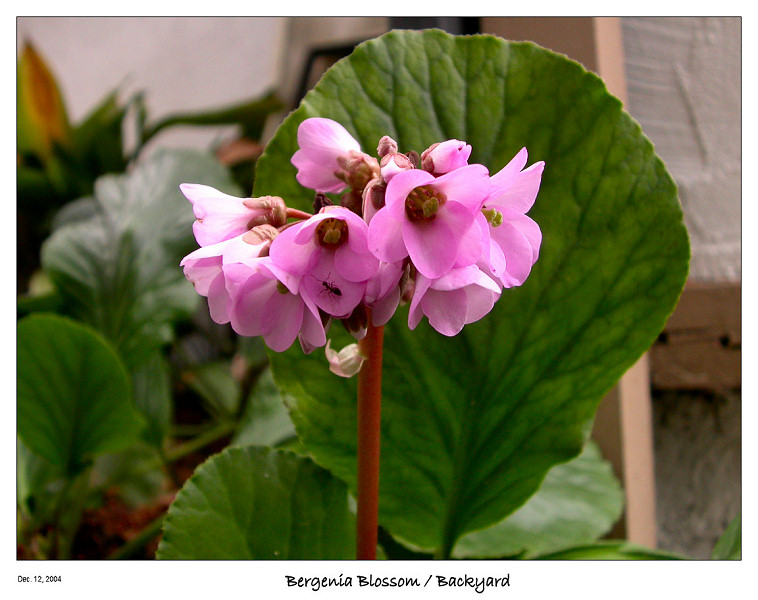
[74,393]
[259,503]
[472,424]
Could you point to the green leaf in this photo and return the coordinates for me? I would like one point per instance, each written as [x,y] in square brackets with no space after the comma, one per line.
[251,116]
[153,397]
[97,144]
[214,383]
[258,503]
[265,421]
[126,470]
[472,424]
[118,270]
[578,502]
[74,394]
[611,550]
[729,546]
[34,479]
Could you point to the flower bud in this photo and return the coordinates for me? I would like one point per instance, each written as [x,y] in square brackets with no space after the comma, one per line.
[357,169]
[353,200]
[320,201]
[262,234]
[386,146]
[392,164]
[345,363]
[373,198]
[407,283]
[269,209]
[444,157]
[357,323]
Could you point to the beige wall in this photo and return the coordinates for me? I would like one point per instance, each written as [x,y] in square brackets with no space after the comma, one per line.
[684,87]
[183,63]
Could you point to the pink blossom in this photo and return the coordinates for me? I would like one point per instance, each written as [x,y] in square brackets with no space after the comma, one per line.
[221,216]
[431,219]
[330,254]
[264,301]
[204,268]
[459,297]
[513,234]
[446,156]
[322,142]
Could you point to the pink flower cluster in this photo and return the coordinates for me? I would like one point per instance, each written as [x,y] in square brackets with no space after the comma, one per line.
[430,229]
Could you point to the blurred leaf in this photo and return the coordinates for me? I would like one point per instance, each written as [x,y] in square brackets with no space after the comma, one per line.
[49,302]
[265,421]
[119,270]
[74,395]
[729,546]
[34,479]
[35,192]
[578,502]
[41,115]
[76,211]
[610,550]
[136,486]
[259,503]
[251,116]
[215,384]
[153,397]
[97,143]
[472,424]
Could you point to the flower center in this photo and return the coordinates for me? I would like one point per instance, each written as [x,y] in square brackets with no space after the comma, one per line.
[493,216]
[331,233]
[423,203]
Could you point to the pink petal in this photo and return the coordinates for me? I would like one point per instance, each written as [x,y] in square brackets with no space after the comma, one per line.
[218,300]
[528,227]
[479,302]
[468,186]
[521,192]
[415,311]
[518,253]
[287,254]
[219,216]
[312,334]
[317,175]
[324,140]
[383,309]
[504,177]
[385,238]
[355,266]
[281,318]
[432,246]
[446,311]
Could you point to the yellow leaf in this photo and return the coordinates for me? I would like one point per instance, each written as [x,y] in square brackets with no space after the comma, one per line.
[42,116]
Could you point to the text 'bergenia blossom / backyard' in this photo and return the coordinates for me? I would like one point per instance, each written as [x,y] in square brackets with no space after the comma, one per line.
[429,229]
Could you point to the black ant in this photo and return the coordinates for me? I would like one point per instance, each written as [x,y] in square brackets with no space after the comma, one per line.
[331,288]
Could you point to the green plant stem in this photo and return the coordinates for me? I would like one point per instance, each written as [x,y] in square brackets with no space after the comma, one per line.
[169,456]
[369,428]
[139,541]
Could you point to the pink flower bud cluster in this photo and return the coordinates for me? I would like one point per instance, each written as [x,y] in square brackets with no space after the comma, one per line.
[429,229]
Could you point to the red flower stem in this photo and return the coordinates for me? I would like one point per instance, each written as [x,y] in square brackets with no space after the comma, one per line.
[369,427]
